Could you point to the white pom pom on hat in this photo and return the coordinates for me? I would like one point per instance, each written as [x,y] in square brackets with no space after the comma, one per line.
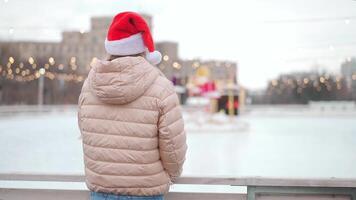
[154,57]
[129,34]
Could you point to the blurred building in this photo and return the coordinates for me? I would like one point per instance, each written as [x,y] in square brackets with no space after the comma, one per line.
[83,46]
[348,71]
[65,65]
[301,88]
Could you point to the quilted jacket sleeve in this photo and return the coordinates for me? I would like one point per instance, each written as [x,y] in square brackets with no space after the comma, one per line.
[172,138]
[81,95]
[80,103]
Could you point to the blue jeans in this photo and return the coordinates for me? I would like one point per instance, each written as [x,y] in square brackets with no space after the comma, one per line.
[107,196]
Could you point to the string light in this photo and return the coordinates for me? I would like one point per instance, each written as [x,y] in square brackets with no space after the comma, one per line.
[322,79]
[51,61]
[176,65]
[26,76]
[30,70]
[93,60]
[37,74]
[42,71]
[60,66]
[11,60]
[274,82]
[166,58]
[80,78]
[73,64]
[73,60]
[31,60]
[49,75]
[10,76]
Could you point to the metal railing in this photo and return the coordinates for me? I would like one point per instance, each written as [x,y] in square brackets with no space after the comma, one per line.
[257,188]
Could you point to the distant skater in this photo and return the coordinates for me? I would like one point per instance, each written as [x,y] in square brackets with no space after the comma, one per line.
[130,119]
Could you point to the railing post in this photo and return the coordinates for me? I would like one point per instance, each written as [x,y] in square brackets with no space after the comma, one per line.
[353,195]
[251,192]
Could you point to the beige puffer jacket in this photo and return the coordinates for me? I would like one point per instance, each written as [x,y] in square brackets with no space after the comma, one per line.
[132,128]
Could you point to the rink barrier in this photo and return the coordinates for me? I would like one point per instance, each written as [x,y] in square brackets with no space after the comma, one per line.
[257,188]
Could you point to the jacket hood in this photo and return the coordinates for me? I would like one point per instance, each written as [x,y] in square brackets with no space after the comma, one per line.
[121,80]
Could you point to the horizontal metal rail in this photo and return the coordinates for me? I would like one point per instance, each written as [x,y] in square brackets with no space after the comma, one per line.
[257,188]
[238,181]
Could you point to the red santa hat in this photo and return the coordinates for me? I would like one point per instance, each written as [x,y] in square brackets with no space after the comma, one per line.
[129,34]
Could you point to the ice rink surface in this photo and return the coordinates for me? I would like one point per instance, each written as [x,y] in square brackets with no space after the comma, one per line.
[261,142]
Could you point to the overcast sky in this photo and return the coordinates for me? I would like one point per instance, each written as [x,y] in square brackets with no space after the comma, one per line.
[265,37]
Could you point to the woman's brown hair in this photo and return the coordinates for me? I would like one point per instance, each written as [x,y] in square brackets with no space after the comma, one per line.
[112,57]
